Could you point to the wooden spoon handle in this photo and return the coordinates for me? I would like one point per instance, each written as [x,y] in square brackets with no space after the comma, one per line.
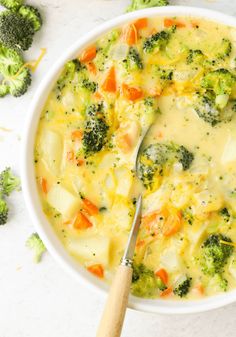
[114,313]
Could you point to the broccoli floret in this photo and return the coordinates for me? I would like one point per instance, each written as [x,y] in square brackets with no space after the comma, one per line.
[34,242]
[215,254]
[8,182]
[133,60]
[225,214]
[19,84]
[206,108]
[141,4]
[157,158]
[183,286]
[11,4]
[32,14]
[225,49]
[69,71]
[90,86]
[165,76]
[220,82]
[144,282]
[4,90]
[195,56]
[3,211]
[158,41]
[95,131]
[15,30]
[11,60]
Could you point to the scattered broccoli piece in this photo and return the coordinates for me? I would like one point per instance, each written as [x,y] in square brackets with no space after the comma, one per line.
[11,4]
[95,131]
[195,56]
[165,76]
[144,282]
[225,214]
[90,86]
[225,49]
[4,90]
[3,211]
[133,60]
[11,60]
[220,82]
[158,41]
[215,254]
[141,4]
[19,85]
[183,286]
[157,158]
[8,182]
[15,30]
[34,242]
[32,14]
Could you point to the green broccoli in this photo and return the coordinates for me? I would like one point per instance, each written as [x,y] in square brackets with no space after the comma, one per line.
[141,4]
[90,86]
[221,83]
[3,211]
[8,182]
[215,254]
[165,76]
[15,30]
[31,14]
[11,4]
[11,60]
[4,90]
[133,60]
[95,131]
[195,56]
[158,41]
[224,50]
[158,158]
[34,242]
[219,282]
[144,282]
[183,286]
[19,85]
[206,108]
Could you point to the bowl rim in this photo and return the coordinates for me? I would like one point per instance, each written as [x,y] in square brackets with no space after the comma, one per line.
[29,187]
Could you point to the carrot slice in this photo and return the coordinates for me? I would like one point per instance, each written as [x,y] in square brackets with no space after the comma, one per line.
[79,161]
[131,93]
[97,95]
[92,68]
[162,273]
[77,134]
[82,222]
[88,54]
[172,225]
[172,22]
[166,292]
[89,207]
[109,84]
[130,35]
[97,270]
[199,287]
[44,185]
[141,23]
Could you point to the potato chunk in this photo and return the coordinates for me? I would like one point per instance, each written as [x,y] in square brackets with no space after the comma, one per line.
[63,201]
[94,249]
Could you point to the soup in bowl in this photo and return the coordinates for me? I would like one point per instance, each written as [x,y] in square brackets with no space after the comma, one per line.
[178,74]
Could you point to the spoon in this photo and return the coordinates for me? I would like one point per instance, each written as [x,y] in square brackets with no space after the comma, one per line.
[114,313]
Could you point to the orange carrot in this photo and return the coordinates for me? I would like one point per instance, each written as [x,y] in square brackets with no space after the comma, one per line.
[172,22]
[79,161]
[166,292]
[92,68]
[97,95]
[82,222]
[109,83]
[131,93]
[162,273]
[77,134]
[199,287]
[172,225]
[89,207]
[97,270]
[44,185]
[130,35]
[88,54]
[141,23]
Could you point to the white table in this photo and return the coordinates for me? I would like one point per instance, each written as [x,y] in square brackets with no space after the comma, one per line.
[42,300]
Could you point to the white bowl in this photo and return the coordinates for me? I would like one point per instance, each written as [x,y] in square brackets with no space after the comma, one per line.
[33,203]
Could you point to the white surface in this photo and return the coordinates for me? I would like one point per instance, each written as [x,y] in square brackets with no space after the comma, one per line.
[41,300]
